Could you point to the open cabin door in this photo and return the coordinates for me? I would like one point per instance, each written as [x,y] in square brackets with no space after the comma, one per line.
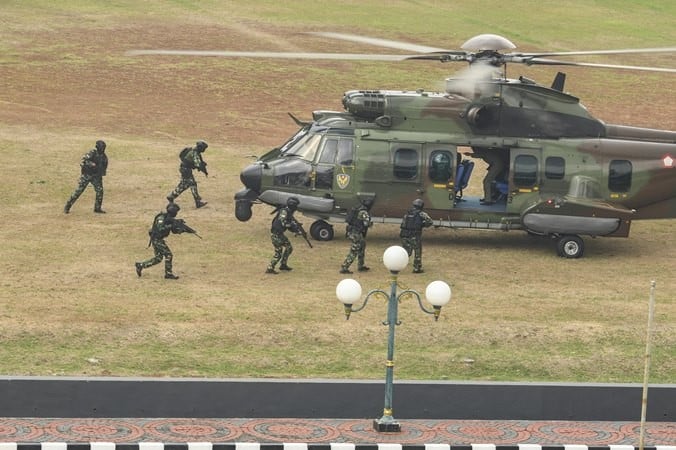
[439,175]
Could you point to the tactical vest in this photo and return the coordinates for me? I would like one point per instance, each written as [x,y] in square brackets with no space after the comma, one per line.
[277,224]
[354,223]
[157,231]
[412,223]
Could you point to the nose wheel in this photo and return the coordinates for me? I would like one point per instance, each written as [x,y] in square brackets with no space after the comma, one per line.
[321,230]
[570,246]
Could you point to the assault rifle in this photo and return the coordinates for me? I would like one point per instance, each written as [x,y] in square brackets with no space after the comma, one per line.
[301,231]
[179,226]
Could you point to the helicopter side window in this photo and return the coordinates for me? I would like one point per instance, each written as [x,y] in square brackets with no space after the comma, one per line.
[345,152]
[619,175]
[525,170]
[555,168]
[325,164]
[405,163]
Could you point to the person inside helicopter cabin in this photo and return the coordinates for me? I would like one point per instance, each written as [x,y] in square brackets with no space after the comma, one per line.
[191,159]
[283,221]
[412,225]
[496,159]
[358,222]
[93,167]
[164,224]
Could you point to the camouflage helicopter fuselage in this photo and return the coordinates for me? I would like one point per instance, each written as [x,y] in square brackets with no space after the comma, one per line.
[567,173]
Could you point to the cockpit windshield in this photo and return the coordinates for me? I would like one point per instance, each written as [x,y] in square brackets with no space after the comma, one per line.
[303,144]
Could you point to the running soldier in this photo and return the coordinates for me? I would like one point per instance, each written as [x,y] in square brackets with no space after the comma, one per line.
[283,221]
[191,159]
[358,223]
[411,232]
[163,224]
[93,168]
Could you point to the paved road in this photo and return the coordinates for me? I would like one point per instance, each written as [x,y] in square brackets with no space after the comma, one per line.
[324,431]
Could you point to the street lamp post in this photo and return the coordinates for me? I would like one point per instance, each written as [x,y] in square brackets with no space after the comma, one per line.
[349,291]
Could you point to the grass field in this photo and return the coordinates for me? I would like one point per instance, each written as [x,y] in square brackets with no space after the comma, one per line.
[71,303]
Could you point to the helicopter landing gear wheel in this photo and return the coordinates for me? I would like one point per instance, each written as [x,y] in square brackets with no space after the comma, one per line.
[242,210]
[570,246]
[321,230]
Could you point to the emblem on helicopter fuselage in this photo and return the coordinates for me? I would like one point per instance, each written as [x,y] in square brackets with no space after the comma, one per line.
[343,180]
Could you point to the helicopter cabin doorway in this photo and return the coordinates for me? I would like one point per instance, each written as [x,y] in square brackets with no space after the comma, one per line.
[441,177]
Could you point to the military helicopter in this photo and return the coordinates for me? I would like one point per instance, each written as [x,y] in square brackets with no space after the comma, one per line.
[566,174]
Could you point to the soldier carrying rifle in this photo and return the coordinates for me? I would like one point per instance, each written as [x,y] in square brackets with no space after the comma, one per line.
[164,224]
[283,221]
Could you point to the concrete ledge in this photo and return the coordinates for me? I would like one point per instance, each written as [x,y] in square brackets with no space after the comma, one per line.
[202,398]
[302,446]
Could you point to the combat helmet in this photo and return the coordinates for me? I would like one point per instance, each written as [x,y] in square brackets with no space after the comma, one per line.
[418,203]
[173,209]
[100,145]
[292,202]
[201,146]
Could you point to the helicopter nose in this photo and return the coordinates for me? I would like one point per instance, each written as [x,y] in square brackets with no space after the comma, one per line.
[252,176]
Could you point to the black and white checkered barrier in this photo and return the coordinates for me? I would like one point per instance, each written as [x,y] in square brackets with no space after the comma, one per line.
[301,446]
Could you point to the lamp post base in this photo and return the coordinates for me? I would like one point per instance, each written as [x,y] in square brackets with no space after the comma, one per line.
[386,425]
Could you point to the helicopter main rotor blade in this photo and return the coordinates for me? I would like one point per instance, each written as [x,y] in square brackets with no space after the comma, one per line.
[281,55]
[378,42]
[597,52]
[553,62]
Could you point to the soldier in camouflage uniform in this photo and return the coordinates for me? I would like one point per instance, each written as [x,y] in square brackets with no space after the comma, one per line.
[191,158]
[358,223]
[411,232]
[163,225]
[283,221]
[93,168]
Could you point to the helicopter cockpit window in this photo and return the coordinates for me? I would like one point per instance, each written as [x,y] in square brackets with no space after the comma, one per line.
[329,152]
[405,163]
[440,167]
[555,168]
[294,139]
[525,170]
[345,152]
[305,148]
[619,175]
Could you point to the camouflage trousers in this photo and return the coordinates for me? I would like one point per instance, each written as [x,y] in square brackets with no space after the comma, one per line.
[162,251]
[97,182]
[413,245]
[185,183]
[357,250]
[283,249]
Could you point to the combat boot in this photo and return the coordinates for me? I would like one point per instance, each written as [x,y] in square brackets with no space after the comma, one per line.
[170,276]
[139,268]
[200,203]
[285,267]
[66,209]
[345,270]
[418,270]
[99,211]
[364,269]
[271,270]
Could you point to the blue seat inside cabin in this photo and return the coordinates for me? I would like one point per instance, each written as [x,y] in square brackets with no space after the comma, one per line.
[462,176]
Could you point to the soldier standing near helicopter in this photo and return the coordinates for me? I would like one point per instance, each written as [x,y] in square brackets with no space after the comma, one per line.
[358,223]
[412,225]
[191,158]
[283,221]
[93,168]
